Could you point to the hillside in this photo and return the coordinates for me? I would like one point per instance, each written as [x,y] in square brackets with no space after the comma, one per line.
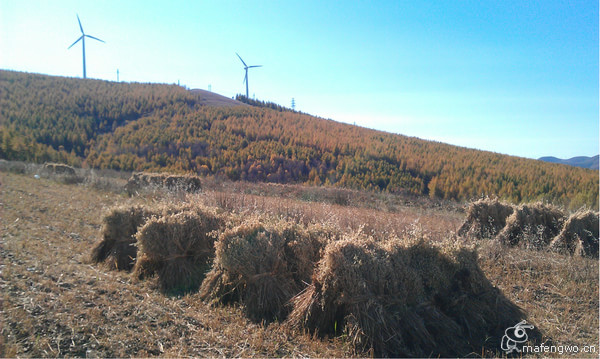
[579,161]
[127,126]
[213,99]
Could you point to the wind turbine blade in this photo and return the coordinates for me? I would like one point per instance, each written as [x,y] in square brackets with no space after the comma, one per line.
[76,41]
[95,38]
[254,66]
[238,55]
[79,21]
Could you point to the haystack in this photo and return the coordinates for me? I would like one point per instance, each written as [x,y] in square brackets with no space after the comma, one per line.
[404,298]
[143,180]
[533,224]
[262,265]
[178,248]
[117,247]
[187,183]
[579,235]
[58,169]
[485,218]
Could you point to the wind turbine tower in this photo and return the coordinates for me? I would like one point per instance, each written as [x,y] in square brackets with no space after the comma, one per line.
[246,67]
[82,38]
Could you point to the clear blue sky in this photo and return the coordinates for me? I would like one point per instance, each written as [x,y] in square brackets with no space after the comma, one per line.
[515,77]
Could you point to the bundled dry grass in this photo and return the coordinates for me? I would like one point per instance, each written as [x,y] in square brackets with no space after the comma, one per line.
[58,169]
[485,218]
[263,265]
[186,183]
[404,298]
[61,173]
[579,235]
[178,248]
[141,180]
[117,247]
[533,225]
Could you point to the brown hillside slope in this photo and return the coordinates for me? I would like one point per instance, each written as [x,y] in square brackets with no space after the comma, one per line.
[208,98]
[153,127]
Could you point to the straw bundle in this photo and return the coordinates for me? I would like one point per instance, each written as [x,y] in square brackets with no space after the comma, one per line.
[579,235]
[178,248]
[485,218]
[141,180]
[58,169]
[117,247]
[533,224]
[404,298]
[263,265]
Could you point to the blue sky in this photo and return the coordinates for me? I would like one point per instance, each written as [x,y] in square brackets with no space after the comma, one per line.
[514,77]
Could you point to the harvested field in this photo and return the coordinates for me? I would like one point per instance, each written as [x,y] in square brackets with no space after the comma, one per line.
[54,303]
[405,298]
[579,235]
[178,247]
[485,218]
[532,225]
[263,264]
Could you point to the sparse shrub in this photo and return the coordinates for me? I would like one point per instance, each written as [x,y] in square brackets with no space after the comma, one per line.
[404,297]
[579,235]
[485,218]
[178,248]
[532,225]
[117,247]
[263,264]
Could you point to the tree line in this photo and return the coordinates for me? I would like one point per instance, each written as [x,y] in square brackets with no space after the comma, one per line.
[154,127]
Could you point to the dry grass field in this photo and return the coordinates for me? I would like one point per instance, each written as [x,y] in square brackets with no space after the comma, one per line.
[56,303]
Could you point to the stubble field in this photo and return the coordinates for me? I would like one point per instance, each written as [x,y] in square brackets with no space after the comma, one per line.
[55,303]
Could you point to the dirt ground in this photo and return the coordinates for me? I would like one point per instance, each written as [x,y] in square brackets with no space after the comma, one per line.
[54,303]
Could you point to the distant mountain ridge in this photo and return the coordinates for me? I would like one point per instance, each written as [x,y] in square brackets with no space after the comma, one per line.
[579,161]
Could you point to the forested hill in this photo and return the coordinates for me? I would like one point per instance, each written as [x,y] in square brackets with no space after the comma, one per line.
[168,128]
